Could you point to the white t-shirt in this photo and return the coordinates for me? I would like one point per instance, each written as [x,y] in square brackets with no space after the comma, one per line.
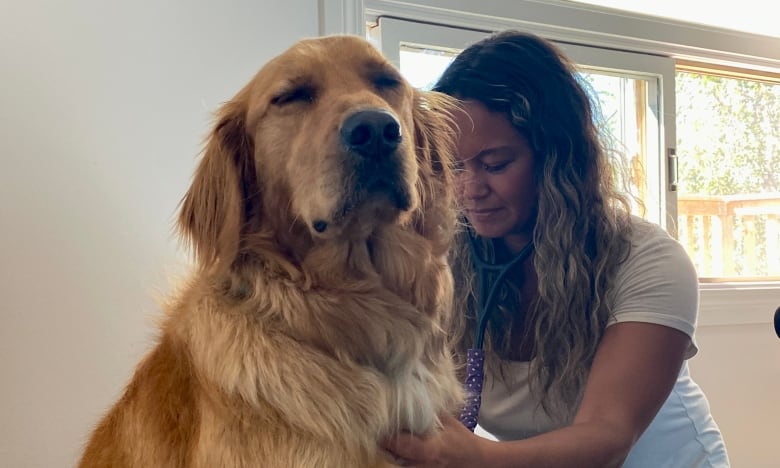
[657,284]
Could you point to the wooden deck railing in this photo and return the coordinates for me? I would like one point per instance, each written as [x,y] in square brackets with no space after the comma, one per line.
[734,236]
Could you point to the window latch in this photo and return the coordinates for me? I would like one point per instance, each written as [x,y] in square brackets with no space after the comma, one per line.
[671,164]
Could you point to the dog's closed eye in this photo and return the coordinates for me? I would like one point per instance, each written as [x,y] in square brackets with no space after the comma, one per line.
[304,94]
[386,81]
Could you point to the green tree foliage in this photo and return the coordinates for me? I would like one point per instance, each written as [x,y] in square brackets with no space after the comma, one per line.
[728,135]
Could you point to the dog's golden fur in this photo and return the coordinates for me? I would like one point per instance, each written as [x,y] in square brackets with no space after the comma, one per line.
[313,324]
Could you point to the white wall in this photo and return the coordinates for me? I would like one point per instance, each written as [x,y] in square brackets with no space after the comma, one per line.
[738,366]
[103,108]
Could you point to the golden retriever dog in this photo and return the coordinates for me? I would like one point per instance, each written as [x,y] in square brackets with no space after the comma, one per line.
[314,322]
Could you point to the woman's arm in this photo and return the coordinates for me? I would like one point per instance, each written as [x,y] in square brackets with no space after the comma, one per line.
[633,373]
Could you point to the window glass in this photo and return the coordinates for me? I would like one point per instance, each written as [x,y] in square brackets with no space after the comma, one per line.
[624,109]
[728,148]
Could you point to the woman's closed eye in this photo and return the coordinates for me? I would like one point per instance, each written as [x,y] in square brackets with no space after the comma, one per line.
[495,168]
[490,168]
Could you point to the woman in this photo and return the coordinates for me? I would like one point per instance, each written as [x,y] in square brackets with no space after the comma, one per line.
[588,333]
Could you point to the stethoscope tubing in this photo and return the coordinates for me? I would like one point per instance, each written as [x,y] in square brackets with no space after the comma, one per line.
[483,269]
[475,356]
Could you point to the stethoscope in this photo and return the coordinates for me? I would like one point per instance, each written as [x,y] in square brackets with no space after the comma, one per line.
[489,278]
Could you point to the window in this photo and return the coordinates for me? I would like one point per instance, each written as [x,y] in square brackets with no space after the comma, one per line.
[728,150]
[637,91]
[626,86]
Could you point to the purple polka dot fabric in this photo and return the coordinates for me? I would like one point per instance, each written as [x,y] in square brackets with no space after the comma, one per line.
[475,363]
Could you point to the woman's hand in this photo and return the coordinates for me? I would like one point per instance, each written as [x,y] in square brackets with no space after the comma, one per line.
[452,447]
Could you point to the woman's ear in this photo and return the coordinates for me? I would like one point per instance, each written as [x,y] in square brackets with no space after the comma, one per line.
[223,191]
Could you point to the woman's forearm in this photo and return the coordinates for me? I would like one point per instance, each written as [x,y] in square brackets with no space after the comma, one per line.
[587,444]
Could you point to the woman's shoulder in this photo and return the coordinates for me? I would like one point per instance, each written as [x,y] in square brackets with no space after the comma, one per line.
[654,250]
[643,231]
[652,243]
[657,282]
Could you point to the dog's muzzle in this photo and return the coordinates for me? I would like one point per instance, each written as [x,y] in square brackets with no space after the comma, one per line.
[371,133]
[374,166]
[373,137]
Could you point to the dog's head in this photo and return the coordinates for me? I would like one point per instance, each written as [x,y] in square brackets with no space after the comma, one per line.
[326,141]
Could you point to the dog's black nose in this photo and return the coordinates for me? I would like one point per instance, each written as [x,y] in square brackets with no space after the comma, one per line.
[371,133]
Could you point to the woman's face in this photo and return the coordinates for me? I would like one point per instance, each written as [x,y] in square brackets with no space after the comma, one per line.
[496,186]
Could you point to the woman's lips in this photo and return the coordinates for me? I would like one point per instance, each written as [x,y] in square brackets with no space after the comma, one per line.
[482,214]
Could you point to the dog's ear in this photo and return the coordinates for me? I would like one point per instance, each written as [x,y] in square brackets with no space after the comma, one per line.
[434,133]
[223,193]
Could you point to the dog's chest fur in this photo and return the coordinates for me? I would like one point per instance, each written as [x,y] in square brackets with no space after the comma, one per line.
[336,362]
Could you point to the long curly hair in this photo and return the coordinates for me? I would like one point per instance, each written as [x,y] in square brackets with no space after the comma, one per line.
[583,226]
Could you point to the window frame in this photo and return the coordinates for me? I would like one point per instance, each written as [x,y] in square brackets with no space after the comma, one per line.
[720,303]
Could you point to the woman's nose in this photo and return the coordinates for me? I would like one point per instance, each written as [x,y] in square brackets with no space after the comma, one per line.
[473,187]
